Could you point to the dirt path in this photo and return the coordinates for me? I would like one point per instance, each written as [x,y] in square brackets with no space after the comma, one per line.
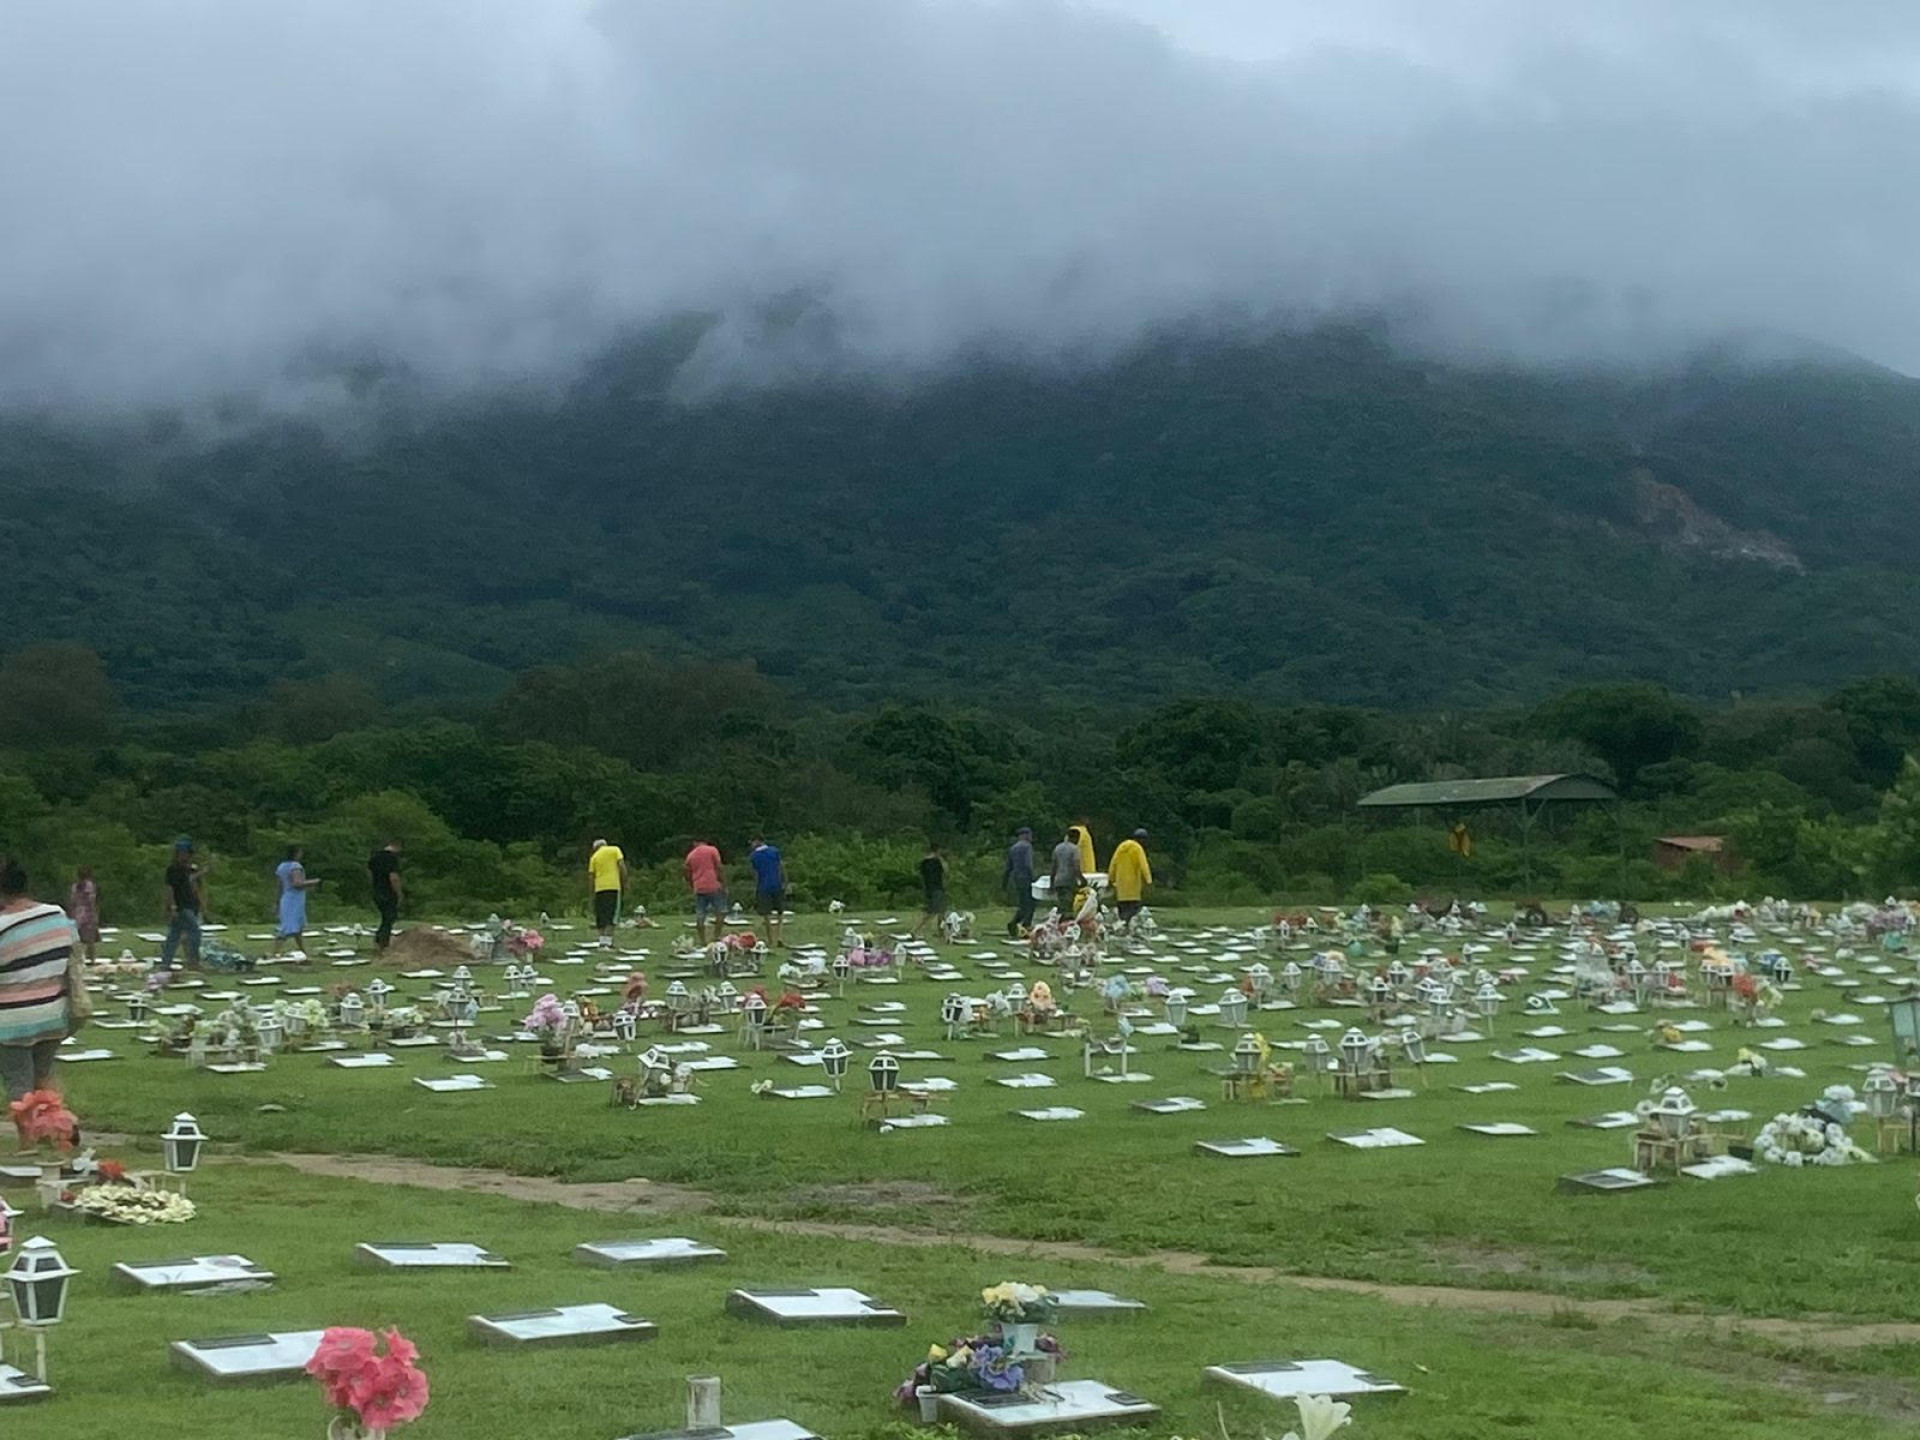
[652,1198]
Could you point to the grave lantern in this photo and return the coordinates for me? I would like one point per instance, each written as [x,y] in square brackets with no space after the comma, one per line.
[883,1073]
[352,1011]
[753,1014]
[1439,1005]
[833,1060]
[1017,995]
[137,1006]
[656,1070]
[727,995]
[1262,979]
[1636,976]
[462,975]
[1233,1007]
[1674,1111]
[1380,990]
[1486,1000]
[1398,974]
[1246,1054]
[1318,1054]
[377,992]
[1913,1112]
[1905,1014]
[270,1031]
[1414,1045]
[1353,1050]
[1882,1093]
[1176,1007]
[953,1013]
[1782,970]
[678,1000]
[37,1282]
[842,967]
[1290,977]
[181,1143]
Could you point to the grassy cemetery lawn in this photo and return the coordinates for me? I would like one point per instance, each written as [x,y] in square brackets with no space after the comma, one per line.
[798,1192]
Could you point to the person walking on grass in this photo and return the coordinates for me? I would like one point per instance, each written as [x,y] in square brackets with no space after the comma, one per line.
[185,898]
[383,873]
[83,908]
[291,873]
[709,886]
[1066,871]
[607,877]
[36,1013]
[769,888]
[1018,875]
[1129,874]
[933,881]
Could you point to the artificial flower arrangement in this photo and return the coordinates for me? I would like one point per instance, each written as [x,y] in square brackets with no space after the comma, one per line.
[298,1017]
[41,1116]
[371,1393]
[1814,1136]
[978,1362]
[524,941]
[1013,1303]
[1754,996]
[548,1020]
[403,1020]
[123,1204]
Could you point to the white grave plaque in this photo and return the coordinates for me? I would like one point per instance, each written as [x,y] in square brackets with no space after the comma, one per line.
[830,1305]
[444,1255]
[280,1355]
[584,1323]
[1065,1405]
[187,1274]
[1288,1379]
[665,1250]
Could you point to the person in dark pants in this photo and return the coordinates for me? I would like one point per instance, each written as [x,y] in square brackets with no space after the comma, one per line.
[383,869]
[933,880]
[186,904]
[1019,875]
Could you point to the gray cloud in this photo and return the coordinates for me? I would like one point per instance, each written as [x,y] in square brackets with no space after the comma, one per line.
[209,196]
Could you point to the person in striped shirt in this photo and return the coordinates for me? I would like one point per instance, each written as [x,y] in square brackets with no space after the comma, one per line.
[35,943]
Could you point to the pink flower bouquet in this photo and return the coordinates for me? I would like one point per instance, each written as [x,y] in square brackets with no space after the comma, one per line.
[373,1392]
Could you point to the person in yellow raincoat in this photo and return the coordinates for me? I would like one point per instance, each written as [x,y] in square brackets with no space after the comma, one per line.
[1129,874]
[1089,861]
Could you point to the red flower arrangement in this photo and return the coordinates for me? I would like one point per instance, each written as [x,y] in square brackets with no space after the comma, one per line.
[378,1391]
[42,1115]
[1745,986]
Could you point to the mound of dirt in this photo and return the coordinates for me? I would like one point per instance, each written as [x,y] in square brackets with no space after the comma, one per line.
[428,947]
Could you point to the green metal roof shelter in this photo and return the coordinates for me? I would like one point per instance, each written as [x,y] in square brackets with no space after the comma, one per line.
[1532,793]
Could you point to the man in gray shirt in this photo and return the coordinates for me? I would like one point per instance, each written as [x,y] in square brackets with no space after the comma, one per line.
[1019,875]
[1066,871]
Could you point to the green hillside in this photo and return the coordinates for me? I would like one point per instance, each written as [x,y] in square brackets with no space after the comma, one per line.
[1305,519]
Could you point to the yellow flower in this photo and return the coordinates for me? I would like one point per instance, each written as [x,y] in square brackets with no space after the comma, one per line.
[936,1353]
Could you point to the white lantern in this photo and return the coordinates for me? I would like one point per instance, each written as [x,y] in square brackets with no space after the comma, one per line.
[1233,1007]
[1414,1045]
[37,1282]
[727,995]
[1176,1007]
[883,1072]
[462,975]
[1487,1001]
[1317,1053]
[1675,1111]
[377,992]
[352,1011]
[1397,974]
[1290,977]
[1354,1046]
[1882,1093]
[1246,1054]
[626,1024]
[181,1144]
[1261,978]
[1017,995]
[655,1070]
[842,966]
[833,1060]
[137,1006]
[1380,990]
[678,1000]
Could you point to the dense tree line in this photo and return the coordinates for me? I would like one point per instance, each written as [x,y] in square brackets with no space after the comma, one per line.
[1245,802]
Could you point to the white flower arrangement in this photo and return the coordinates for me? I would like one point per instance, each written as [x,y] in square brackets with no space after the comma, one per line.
[1798,1140]
[124,1205]
[1320,1416]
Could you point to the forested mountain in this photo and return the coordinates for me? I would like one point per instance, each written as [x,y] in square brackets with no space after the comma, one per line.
[1311,518]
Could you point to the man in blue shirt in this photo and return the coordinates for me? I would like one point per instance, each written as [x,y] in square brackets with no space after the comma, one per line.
[769,888]
[1018,875]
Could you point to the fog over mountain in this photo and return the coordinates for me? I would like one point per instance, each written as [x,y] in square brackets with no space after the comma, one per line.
[217,196]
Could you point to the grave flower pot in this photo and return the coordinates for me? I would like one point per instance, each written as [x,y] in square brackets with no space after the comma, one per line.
[1021,1339]
[341,1428]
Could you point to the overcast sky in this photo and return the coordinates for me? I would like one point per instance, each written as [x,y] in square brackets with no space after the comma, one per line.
[204,196]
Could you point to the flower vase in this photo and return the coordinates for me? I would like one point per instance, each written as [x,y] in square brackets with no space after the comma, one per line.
[342,1428]
[1020,1339]
[929,1399]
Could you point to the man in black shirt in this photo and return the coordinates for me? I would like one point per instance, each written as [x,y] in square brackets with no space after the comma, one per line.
[186,906]
[933,880]
[383,869]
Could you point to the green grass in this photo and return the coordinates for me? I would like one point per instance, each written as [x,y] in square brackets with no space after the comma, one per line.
[1462,1211]
[1471,1376]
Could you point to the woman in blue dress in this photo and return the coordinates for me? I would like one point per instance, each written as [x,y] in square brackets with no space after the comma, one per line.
[294,885]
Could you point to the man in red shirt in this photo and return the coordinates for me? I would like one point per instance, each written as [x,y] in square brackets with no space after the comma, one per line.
[709,889]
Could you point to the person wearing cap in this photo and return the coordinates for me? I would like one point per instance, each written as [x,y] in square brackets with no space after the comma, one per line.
[186,905]
[607,875]
[1130,875]
[1018,874]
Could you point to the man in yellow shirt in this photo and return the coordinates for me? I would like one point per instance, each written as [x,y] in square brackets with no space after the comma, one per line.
[607,872]
[1129,875]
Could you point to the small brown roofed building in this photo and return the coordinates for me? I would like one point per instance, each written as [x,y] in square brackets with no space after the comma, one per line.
[1672,852]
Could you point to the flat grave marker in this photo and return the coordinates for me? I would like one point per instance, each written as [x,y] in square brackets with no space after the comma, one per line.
[1064,1405]
[595,1323]
[659,1250]
[1245,1148]
[436,1255]
[828,1305]
[265,1355]
[186,1274]
[1288,1379]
